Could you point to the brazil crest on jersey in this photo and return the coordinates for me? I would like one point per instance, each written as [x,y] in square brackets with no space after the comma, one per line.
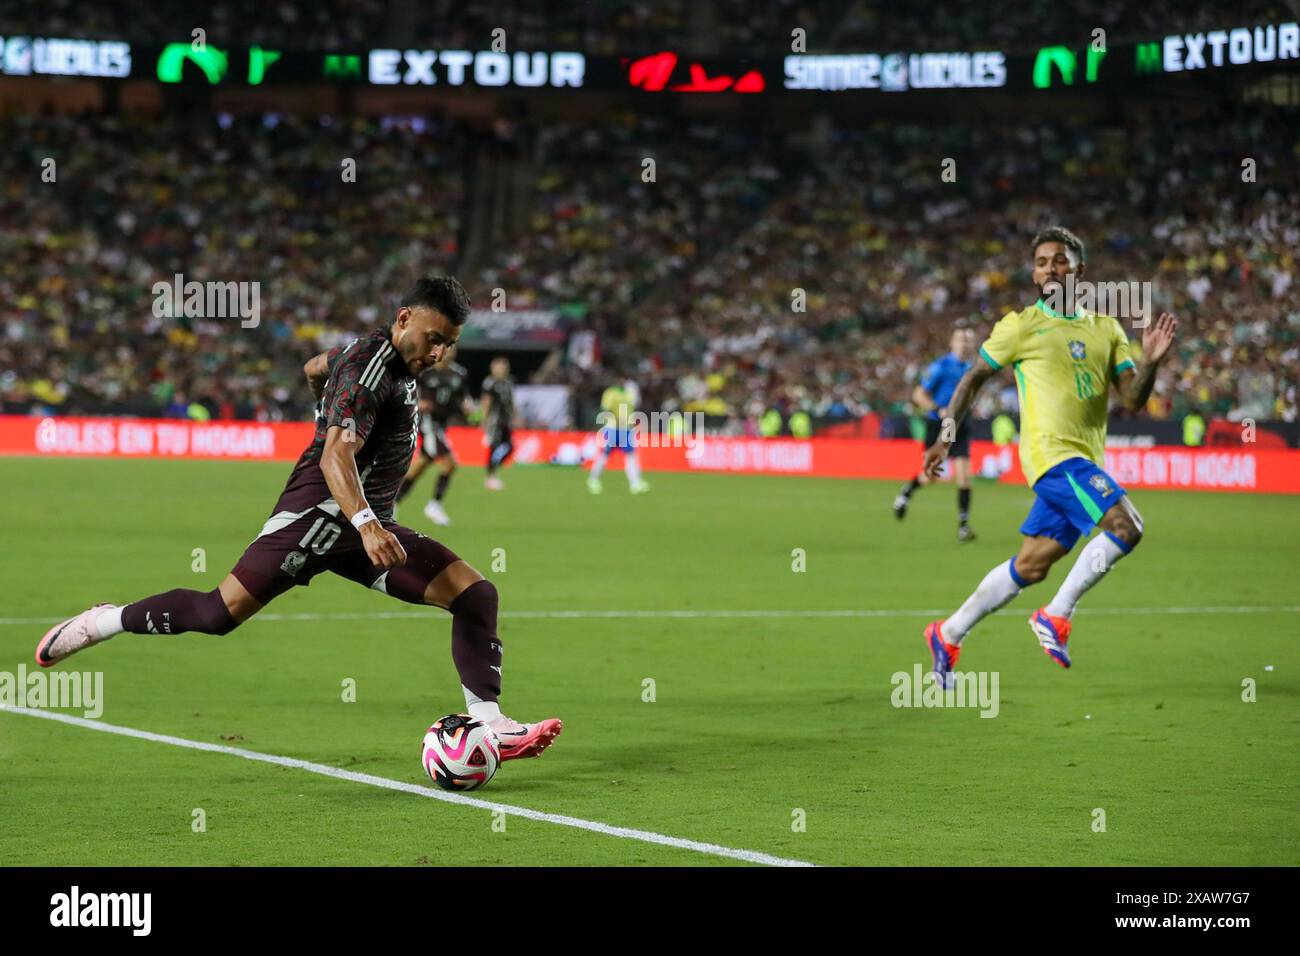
[1064,366]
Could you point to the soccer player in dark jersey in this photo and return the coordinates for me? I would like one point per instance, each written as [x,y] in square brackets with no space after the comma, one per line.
[932,395]
[442,395]
[335,514]
[498,418]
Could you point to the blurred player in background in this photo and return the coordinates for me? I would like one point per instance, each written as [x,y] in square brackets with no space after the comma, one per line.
[1065,363]
[932,395]
[498,409]
[618,434]
[443,393]
[336,514]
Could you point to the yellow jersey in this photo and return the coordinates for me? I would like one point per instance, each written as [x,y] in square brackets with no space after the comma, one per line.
[619,403]
[1064,366]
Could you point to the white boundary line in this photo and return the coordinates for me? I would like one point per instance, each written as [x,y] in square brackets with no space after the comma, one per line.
[626,833]
[272,617]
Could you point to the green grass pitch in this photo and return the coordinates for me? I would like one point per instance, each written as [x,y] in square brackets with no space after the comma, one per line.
[754,718]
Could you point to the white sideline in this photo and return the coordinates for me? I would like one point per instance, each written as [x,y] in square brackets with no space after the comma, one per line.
[271,617]
[626,833]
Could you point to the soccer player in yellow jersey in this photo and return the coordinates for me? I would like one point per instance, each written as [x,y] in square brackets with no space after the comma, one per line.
[618,433]
[1064,364]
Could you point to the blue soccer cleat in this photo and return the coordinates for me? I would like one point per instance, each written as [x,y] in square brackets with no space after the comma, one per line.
[1052,632]
[945,655]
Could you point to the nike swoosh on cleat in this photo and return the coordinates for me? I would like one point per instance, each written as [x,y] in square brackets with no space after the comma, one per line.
[50,643]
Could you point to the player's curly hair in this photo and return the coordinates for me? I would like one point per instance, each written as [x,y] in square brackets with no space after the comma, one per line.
[442,293]
[1062,235]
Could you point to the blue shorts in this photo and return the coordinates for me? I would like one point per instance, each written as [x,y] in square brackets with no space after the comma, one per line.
[1071,498]
[619,439]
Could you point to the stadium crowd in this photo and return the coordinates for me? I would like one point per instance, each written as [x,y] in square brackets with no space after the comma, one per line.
[138,201]
[749,272]
[836,295]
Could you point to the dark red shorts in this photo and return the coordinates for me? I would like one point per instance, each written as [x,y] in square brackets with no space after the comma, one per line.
[293,549]
[434,443]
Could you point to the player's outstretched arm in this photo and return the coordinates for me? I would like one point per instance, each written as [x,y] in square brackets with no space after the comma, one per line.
[317,371]
[339,465]
[962,399]
[1135,384]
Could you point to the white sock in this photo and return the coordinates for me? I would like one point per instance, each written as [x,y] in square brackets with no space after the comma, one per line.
[1096,558]
[485,710]
[998,587]
[632,465]
[598,466]
[109,622]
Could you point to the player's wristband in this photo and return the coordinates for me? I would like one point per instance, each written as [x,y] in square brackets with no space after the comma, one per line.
[364,516]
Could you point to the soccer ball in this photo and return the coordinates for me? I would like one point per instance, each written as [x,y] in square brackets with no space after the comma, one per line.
[460,752]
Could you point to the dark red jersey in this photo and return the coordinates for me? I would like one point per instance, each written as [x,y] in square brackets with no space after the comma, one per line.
[370,392]
[445,387]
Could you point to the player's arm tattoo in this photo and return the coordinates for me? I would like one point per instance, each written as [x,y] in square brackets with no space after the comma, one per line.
[964,397]
[338,463]
[1135,385]
[317,371]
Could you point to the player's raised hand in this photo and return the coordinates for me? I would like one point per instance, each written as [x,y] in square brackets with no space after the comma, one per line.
[1158,337]
[382,546]
[934,458]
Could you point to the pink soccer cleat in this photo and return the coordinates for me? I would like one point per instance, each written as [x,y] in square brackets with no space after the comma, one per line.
[524,740]
[74,634]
